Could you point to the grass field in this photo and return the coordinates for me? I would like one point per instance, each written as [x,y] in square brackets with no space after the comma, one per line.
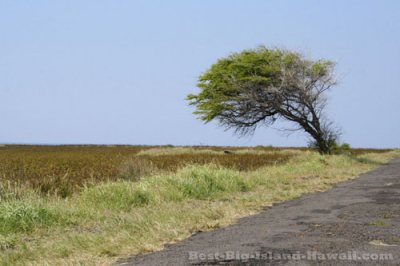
[63,170]
[90,205]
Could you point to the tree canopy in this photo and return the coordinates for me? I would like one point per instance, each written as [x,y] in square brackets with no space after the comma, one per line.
[259,86]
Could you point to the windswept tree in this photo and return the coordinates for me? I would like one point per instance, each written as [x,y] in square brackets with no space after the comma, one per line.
[260,86]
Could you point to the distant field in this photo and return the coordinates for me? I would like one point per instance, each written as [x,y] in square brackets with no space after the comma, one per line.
[63,170]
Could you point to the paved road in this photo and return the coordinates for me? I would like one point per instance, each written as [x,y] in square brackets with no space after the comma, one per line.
[355,219]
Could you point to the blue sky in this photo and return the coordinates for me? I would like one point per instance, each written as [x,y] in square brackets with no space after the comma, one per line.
[118,71]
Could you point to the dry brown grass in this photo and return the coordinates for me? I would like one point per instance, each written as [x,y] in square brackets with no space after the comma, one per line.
[63,170]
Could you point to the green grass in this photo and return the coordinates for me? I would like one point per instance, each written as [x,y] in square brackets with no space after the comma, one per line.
[112,219]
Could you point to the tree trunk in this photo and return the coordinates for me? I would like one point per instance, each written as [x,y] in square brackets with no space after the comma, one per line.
[324,147]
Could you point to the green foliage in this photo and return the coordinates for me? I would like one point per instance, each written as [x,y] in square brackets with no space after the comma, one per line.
[222,84]
[345,146]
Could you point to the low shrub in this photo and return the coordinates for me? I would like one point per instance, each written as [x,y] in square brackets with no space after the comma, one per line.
[343,148]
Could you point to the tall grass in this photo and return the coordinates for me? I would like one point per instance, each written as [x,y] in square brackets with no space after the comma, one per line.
[22,216]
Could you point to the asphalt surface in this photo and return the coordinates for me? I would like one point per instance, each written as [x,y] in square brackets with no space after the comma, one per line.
[355,223]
